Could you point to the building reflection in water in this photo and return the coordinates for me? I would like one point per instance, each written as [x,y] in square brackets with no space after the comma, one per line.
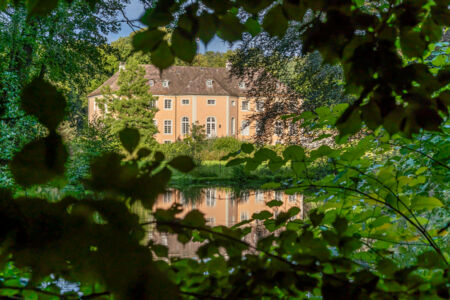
[220,207]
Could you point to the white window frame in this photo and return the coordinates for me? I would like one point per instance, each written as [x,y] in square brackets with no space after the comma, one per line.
[210,196]
[242,105]
[242,85]
[171,125]
[245,127]
[165,104]
[167,197]
[165,83]
[211,126]
[259,106]
[184,122]
[292,198]
[278,196]
[167,142]
[244,197]
[233,103]
[278,128]
[182,101]
[210,221]
[151,82]
[213,102]
[209,83]
[259,196]
[233,125]
[244,216]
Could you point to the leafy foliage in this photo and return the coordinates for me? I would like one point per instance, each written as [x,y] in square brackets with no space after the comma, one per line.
[348,33]
[378,222]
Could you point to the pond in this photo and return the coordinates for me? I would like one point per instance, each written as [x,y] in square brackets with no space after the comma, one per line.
[221,207]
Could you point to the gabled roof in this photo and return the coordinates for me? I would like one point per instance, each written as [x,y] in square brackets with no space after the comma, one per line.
[184,80]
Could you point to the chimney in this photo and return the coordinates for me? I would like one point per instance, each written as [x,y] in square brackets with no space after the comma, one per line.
[121,66]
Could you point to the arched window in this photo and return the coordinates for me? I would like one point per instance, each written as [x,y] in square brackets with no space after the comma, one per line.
[184,125]
[210,126]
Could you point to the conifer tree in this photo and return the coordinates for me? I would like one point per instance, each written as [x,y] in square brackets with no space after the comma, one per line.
[132,105]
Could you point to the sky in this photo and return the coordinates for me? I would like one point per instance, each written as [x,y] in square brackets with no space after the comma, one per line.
[135,9]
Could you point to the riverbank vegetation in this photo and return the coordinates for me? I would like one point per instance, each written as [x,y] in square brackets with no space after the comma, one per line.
[376,175]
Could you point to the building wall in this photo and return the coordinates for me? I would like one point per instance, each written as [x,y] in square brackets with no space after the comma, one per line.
[226,111]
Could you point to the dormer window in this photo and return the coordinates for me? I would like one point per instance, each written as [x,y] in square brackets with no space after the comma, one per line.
[151,82]
[242,85]
[165,83]
[209,83]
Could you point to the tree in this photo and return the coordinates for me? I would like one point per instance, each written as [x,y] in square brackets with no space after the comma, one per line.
[282,80]
[400,97]
[378,228]
[132,105]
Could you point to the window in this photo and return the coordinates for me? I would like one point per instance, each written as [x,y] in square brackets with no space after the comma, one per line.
[210,197]
[167,126]
[167,197]
[259,196]
[278,128]
[165,83]
[244,197]
[164,239]
[167,103]
[209,83]
[167,142]
[233,103]
[210,126]
[151,82]
[259,106]
[259,128]
[245,130]
[211,102]
[233,126]
[183,199]
[185,101]
[293,129]
[210,221]
[95,105]
[292,198]
[242,85]
[155,123]
[278,195]
[245,106]
[244,216]
[152,103]
[184,125]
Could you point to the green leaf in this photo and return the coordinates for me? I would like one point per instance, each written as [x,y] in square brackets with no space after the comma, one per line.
[39,161]
[262,215]
[323,150]
[41,7]
[41,99]
[247,148]
[412,43]
[420,170]
[143,152]
[162,57]
[275,22]
[194,218]
[230,28]
[253,26]
[183,46]
[207,24]
[235,162]
[295,153]
[430,260]
[423,202]
[182,163]
[148,40]
[316,217]
[274,203]
[129,137]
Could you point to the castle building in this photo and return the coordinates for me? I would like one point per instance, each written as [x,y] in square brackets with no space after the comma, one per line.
[189,95]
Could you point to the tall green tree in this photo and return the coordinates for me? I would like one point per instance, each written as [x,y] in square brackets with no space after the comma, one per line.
[131,105]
